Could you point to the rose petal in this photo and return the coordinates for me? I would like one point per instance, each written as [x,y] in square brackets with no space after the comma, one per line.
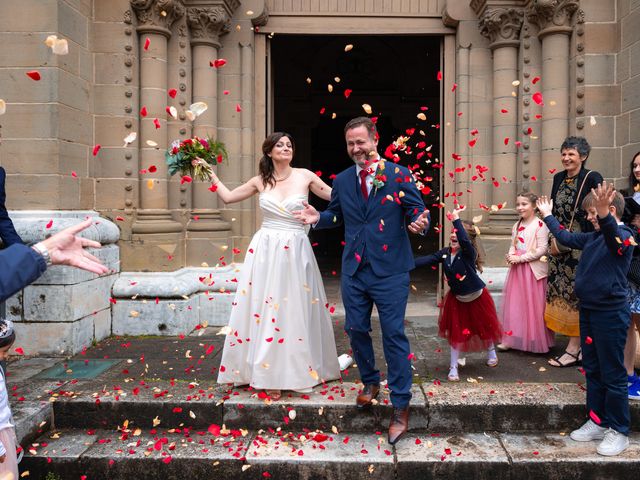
[34,75]
[50,41]
[348,48]
[130,138]
[198,108]
[172,92]
[347,92]
[238,108]
[96,149]
[143,111]
[3,107]
[439,76]
[60,47]
[156,122]
[537,97]
[147,42]
[367,108]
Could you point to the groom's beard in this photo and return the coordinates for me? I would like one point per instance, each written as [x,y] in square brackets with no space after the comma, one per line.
[365,160]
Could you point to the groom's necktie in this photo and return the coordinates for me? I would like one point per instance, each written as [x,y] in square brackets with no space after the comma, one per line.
[363,184]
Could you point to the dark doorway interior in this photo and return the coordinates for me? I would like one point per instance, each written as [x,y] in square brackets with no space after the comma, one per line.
[396,75]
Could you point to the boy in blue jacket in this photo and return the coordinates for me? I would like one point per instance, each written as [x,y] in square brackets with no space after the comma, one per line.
[601,288]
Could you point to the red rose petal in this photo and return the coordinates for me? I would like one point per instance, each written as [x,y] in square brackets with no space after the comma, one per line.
[147,42]
[143,111]
[49,224]
[172,92]
[439,76]
[347,92]
[96,149]
[34,75]
[537,97]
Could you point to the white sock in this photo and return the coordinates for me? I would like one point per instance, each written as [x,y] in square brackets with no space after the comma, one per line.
[454,358]
[491,352]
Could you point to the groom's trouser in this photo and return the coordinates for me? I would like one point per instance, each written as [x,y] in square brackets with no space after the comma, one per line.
[359,293]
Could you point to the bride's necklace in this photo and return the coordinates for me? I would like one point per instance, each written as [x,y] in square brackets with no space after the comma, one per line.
[283,178]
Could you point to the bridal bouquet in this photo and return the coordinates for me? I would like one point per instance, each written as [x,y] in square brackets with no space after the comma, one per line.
[195,157]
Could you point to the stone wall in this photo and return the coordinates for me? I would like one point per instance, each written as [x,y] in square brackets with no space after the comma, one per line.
[627,71]
[48,128]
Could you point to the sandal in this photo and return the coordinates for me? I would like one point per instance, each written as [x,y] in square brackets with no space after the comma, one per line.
[577,360]
[274,395]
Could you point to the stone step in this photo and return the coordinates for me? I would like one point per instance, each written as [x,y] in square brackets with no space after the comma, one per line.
[449,408]
[191,454]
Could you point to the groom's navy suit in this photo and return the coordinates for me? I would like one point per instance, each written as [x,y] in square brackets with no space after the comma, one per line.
[376,262]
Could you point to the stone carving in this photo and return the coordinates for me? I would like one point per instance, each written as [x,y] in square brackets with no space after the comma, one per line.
[552,13]
[157,14]
[207,24]
[502,25]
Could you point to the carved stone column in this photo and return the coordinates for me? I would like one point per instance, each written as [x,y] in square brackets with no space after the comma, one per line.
[155,18]
[502,27]
[206,24]
[554,19]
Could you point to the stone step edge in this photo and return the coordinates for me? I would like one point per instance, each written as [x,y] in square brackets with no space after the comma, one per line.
[356,452]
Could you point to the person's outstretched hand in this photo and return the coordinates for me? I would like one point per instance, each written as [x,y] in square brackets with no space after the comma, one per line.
[420,223]
[604,195]
[544,205]
[308,215]
[65,248]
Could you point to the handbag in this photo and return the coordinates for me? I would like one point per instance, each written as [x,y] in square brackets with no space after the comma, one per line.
[556,248]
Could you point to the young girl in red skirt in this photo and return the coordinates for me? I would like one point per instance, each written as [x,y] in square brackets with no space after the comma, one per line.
[468,318]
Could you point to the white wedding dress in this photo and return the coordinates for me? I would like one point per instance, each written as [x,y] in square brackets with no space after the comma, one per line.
[281,334]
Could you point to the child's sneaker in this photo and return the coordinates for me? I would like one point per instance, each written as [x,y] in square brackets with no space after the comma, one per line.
[587,432]
[613,443]
[633,382]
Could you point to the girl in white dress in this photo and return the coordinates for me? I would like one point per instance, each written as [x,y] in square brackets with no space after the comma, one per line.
[281,337]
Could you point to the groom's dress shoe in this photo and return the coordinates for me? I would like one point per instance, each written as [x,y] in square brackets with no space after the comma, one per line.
[399,424]
[369,392]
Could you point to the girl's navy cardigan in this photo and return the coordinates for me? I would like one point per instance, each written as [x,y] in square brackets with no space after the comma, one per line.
[461,273]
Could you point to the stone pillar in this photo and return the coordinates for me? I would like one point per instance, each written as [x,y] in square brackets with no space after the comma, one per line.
[206,225]
[154,225]
[553,18]
[502,27]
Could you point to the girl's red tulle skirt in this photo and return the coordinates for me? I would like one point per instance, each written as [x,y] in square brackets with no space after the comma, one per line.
[469,326]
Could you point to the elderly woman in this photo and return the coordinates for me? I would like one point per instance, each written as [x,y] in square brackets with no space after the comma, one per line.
[570,186]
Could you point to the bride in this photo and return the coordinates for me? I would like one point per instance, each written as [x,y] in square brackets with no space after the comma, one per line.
[281,336]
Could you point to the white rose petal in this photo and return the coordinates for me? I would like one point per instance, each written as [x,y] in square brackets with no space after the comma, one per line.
[61,47]
[367,108]
[198,108]
[130,138]
[173,111]
[190,115]
[3,106]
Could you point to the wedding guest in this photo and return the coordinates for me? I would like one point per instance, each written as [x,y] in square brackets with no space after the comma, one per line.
[8,233]
[20,265]
[632,219]
[570,186]
[8,441]
[522,312]
[601,288]
[468,318]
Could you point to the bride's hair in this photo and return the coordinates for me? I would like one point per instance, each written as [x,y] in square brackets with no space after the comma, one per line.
[266,164]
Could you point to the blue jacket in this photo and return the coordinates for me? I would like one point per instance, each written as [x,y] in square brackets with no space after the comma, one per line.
[375,229]
[601,276]
[7,231]
[19,266]
[461,273]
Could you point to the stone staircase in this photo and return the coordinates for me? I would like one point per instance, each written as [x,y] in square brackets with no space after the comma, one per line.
[180,430]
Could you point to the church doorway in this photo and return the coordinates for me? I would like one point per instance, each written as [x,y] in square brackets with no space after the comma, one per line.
[319,82]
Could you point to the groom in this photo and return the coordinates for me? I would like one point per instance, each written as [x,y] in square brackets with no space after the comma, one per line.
[375,200]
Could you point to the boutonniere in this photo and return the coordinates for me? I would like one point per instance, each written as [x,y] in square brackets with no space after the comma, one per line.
[379,178]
